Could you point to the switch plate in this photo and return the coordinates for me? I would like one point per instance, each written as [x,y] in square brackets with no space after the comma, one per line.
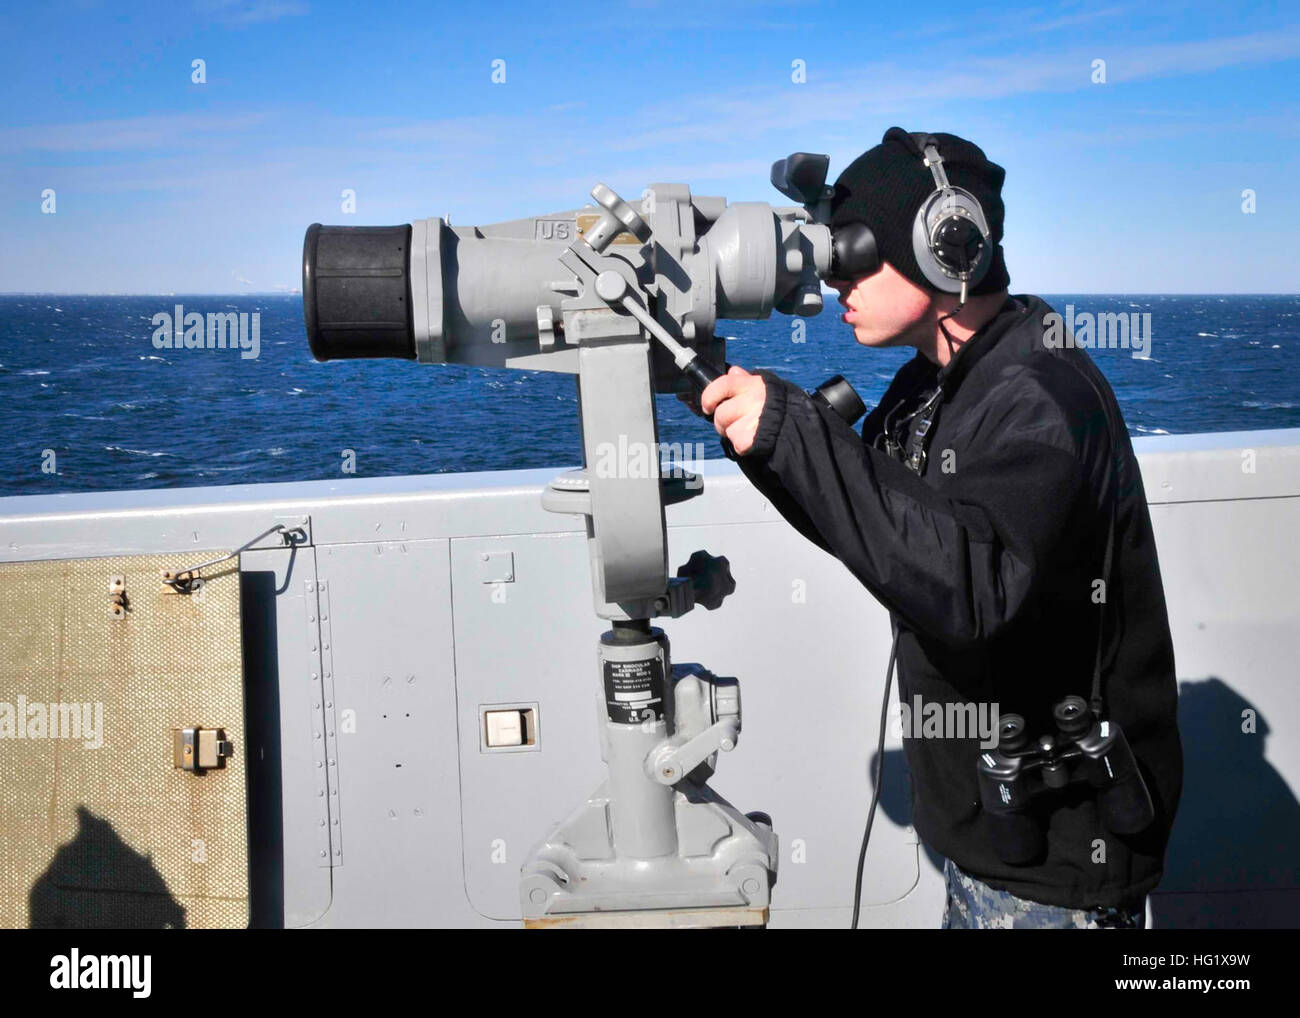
[508,727]
[505,728]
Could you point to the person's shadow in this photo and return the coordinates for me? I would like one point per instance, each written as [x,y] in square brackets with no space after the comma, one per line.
[97,881]
[1236,832]
[1238,823]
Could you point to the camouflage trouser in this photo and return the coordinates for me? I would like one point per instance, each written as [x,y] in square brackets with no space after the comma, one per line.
[973,905]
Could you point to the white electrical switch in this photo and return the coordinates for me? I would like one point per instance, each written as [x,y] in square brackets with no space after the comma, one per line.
[505,728]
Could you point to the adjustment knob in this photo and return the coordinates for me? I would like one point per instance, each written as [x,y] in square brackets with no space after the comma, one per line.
[710,578]
[618,217]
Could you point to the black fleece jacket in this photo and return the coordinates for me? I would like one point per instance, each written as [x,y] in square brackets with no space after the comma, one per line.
[987,561]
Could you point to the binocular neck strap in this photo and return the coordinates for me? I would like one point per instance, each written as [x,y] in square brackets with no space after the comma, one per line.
[1112,434]
[1096,701]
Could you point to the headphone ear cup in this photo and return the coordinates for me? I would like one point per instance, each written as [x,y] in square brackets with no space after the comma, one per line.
[950,238]
[958,243]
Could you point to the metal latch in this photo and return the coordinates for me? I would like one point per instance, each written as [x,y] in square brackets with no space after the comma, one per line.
[200,749]
[188,581]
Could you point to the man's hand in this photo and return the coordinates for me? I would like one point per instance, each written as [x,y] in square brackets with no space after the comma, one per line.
[736,402]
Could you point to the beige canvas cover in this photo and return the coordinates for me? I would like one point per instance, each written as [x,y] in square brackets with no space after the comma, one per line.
[97,826]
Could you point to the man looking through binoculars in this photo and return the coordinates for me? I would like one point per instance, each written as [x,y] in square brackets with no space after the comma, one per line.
[993,504]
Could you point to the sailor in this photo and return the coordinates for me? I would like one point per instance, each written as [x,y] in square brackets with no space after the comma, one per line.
[976,506]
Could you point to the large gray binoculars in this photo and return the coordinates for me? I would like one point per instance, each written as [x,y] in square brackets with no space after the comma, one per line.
[528,293]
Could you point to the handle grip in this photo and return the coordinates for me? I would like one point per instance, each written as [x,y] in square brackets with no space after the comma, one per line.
[701,372]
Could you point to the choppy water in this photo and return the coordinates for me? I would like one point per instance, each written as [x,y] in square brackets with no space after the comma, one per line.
[80,376]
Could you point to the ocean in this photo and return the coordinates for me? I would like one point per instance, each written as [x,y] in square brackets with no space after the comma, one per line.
[87,403]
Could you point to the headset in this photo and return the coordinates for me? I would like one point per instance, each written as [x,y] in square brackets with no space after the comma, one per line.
[950,235]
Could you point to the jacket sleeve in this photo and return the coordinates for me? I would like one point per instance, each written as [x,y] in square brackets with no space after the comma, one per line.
[959,565]
[762,477]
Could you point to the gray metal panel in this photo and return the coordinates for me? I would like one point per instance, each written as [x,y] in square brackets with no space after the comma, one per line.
[281,577]
[393,713]
[1230,574]
[1242,464]
[531,640]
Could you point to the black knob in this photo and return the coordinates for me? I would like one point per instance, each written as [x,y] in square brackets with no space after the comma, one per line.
[710,578]
[841,397]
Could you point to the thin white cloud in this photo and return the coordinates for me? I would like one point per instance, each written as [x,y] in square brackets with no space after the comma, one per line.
[828,99]
[891,88]
[250,12]
[994,26]
[837,98]
[129,133]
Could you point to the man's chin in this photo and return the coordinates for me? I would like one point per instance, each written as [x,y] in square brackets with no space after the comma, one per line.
[873,338]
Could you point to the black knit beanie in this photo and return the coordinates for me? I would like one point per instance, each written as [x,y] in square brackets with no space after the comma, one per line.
[886,185]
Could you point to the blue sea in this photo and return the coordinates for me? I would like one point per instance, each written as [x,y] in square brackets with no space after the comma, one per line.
[80,376]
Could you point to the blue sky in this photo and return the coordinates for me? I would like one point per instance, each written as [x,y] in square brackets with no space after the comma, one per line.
[163,185]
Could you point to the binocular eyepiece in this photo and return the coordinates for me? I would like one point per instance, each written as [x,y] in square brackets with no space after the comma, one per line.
[1020,772]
